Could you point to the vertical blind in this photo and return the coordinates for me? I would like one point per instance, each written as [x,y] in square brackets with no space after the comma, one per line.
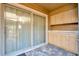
[19,29]
[38,30]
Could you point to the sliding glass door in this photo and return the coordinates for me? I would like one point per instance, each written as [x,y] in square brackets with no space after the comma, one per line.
[10,24]
[23,30]
[20,30]
[38,29]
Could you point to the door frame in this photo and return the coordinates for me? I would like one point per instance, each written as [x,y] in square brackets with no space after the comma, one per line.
[78,33]
[32,12]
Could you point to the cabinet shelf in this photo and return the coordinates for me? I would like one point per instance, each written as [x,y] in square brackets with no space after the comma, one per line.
[64,24]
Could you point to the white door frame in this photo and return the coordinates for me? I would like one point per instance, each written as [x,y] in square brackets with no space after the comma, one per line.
[78,33]
[35,12]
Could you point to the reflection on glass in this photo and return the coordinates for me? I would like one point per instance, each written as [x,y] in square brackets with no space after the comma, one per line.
[10,36]
[12,19]
[19,26]
[18,30]
[24,19]
[10,12]
[38,30]
[24,30]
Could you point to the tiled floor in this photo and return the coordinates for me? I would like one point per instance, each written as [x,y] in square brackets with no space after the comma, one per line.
[48,50]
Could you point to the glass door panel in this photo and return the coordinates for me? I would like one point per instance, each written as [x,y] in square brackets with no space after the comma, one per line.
[24,30]
[10,12]
[38,30]
[10,29]
[42,26]
[35,30]
[10,36]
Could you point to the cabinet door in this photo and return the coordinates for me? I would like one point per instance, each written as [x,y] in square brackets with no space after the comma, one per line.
[38,30]
[63,39]
[71,42]
[70,16]
[59,18]
[75,15]
[67,16]
[52,20]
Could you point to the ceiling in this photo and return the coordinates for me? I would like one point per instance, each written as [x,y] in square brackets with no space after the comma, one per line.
[51,6]
[46,7]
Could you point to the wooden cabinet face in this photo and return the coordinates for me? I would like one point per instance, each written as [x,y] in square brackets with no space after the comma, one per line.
[65,40]
[69,16]
[59,18]
[75,15]
[52,20]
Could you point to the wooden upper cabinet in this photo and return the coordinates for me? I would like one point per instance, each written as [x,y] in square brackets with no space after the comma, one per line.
[59,18]
[52,20]
[69,16]
[75,14]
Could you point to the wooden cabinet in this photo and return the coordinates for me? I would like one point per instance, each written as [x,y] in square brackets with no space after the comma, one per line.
[52,19]
[59,18]
[63,39]
[69,16]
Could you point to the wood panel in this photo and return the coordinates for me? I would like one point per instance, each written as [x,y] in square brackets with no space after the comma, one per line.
[63,39]
[69,16]
[36,7]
